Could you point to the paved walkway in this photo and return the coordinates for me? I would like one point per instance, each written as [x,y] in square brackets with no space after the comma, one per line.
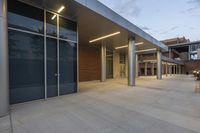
[167,106]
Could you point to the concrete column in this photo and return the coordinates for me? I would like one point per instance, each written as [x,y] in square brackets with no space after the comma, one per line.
[4,72]
[174,69]
[145,68]
[177,69]
[103,63]
[163,70]
[180,69]
[152,69]
[136,66]
[131,62]
[166,69]
[159,65]
[170,70]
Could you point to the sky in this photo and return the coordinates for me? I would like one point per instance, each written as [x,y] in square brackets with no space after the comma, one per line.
[163,19]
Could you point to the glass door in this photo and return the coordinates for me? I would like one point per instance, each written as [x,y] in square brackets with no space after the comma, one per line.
[52,69]
[68,67]
[61,51]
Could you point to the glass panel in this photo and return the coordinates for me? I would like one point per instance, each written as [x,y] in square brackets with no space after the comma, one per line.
[68,67]
[67,29]
[25,17]
[26,66]
[52,67]
[51,24]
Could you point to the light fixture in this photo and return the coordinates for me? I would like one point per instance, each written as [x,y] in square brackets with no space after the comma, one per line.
[121,47]
[59,11]
[103,37]
[61,8]
[140,43]
[146,50]
[54,16]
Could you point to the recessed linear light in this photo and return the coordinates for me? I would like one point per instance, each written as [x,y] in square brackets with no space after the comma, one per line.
[146,50]
[103,37]
[140,43]
[61,8]
[125,46]
[59,11]
[54,16]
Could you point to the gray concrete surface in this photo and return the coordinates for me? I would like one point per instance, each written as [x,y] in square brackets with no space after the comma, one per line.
[153,106]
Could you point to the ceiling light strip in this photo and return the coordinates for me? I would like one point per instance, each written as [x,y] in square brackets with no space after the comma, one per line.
[146,50]
[59,11]
[104,37]
[61,8]
[126,46]
[54,16]
[140,43]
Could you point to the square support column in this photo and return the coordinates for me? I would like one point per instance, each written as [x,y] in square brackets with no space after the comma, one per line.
[170,70]
[136,66]
[103,63]
[163,70]
[131,62]
[180,72]
[145,68]
[166,69]
[174,69]
[4,71]
[152,69]
[159,65]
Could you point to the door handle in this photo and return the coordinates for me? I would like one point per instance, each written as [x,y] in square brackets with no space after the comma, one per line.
[57,75]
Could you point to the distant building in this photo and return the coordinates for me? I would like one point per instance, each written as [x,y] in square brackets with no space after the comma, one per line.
[182,58]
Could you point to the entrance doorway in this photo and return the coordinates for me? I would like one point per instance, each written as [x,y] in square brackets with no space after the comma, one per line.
[61,68]
[42,53]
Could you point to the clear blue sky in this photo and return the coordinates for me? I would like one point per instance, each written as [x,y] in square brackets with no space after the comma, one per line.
[161,18]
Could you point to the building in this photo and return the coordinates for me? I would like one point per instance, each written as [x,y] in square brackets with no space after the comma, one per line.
[182,58]
[47,47]
[187,52]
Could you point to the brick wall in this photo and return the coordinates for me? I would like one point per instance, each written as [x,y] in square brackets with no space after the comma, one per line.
[191,65]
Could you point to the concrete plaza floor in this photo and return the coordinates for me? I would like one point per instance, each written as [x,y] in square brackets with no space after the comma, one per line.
[153,106]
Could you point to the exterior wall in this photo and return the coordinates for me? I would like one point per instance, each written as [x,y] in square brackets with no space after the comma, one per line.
[198,53]
[148,57]
[89,63]
[189,66]
[184,55]
[166,54]
[116,65]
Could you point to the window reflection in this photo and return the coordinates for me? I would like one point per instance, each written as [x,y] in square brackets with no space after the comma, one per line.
[26,66]
[67,29]
[25,17]
[51,24]
[68,67]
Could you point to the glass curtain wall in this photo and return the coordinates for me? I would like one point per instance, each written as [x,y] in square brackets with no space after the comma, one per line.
[42,63]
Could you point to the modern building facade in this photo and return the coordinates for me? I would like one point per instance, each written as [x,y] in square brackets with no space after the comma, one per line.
[47,47]
[182,58]
[187,52]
